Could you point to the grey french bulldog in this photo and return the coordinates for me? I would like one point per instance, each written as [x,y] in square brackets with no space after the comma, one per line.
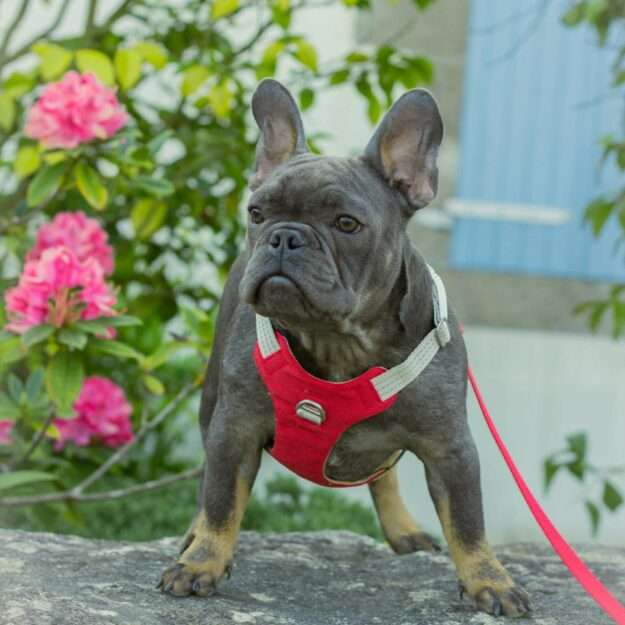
[328,260]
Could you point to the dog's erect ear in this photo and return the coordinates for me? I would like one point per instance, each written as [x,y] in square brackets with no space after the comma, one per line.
[282,132]
[405,145]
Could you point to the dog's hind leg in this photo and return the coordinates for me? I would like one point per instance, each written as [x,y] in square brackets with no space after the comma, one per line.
[399,528]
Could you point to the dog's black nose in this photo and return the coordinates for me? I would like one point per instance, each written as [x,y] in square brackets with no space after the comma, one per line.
[288,238]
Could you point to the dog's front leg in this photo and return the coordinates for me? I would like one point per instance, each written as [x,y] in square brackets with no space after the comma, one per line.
[454,484]
[232,461]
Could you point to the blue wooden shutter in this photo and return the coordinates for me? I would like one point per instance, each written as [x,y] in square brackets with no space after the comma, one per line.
[537,100]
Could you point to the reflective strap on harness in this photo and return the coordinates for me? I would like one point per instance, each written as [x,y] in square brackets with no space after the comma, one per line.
[266,337]
[394,380]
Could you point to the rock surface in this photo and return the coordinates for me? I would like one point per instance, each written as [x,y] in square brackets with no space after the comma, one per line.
[322,578]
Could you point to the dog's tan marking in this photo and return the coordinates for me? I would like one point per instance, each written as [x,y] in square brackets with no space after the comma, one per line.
[399,528]
[481,574]
[208,556]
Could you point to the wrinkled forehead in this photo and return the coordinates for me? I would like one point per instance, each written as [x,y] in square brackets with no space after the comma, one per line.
[320,180]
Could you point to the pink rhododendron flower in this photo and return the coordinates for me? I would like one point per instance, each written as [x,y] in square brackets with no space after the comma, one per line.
[5,432]
[76,109]
[102,413]
[57,288]
[81,234]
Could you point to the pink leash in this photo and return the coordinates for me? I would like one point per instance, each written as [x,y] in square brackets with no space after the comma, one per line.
[568,556]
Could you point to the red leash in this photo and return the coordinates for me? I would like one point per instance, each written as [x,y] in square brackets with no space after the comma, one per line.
[568,556]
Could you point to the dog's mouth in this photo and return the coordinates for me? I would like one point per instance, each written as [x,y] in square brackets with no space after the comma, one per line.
[276,290]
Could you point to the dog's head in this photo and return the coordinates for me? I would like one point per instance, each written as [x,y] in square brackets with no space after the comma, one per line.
[326,235]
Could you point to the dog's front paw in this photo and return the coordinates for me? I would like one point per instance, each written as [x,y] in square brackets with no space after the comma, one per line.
[498,599]
[413,541]
[187,578]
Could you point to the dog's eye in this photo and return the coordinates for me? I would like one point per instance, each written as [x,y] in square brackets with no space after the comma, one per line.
[348,224]
[256,216]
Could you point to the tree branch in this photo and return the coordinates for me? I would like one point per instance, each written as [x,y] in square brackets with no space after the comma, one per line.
[13,26]
[91,13]
[35,443]
[29,500]
[5,60]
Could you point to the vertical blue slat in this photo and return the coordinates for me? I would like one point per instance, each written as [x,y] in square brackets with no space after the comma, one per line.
[529,136]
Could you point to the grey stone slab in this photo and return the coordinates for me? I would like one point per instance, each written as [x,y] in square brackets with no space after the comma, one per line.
[317,578]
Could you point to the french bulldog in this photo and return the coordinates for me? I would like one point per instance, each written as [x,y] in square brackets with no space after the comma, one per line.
[329,262]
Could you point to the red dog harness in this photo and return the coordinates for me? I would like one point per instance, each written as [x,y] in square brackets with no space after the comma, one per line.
[311,414]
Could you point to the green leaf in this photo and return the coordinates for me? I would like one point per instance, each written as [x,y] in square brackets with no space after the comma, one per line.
[122,321]
[116,348]
[72,338]
[159,141]
[15,387]
[90,185]
[153,384]
[306,98]
[339,77]
[27,161]
[7,111]
[193,77]
[577,469]
[280,16]
[20,478]
[597,213]
[612,498]
[159,187]
[147,216]
[575,14]
[162,354]
[45,184]
[97,63]
[578,444]
[221,8]
[220,99]
[594,10]
[11,350]
[18,84]
[128,67]
[306,53]
[97,327]
[54,59]
[595,516]
[36,334]
[63,379]
[272,52]
[34,385]
[152,53]
[597,315]
[356,57]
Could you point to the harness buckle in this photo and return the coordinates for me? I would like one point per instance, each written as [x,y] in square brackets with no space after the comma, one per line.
[443,336]
[311,411]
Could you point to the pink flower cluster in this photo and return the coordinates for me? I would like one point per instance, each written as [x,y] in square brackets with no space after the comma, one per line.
[74,110]
[5,432]
[83,235]
[102,413]
[66,281]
